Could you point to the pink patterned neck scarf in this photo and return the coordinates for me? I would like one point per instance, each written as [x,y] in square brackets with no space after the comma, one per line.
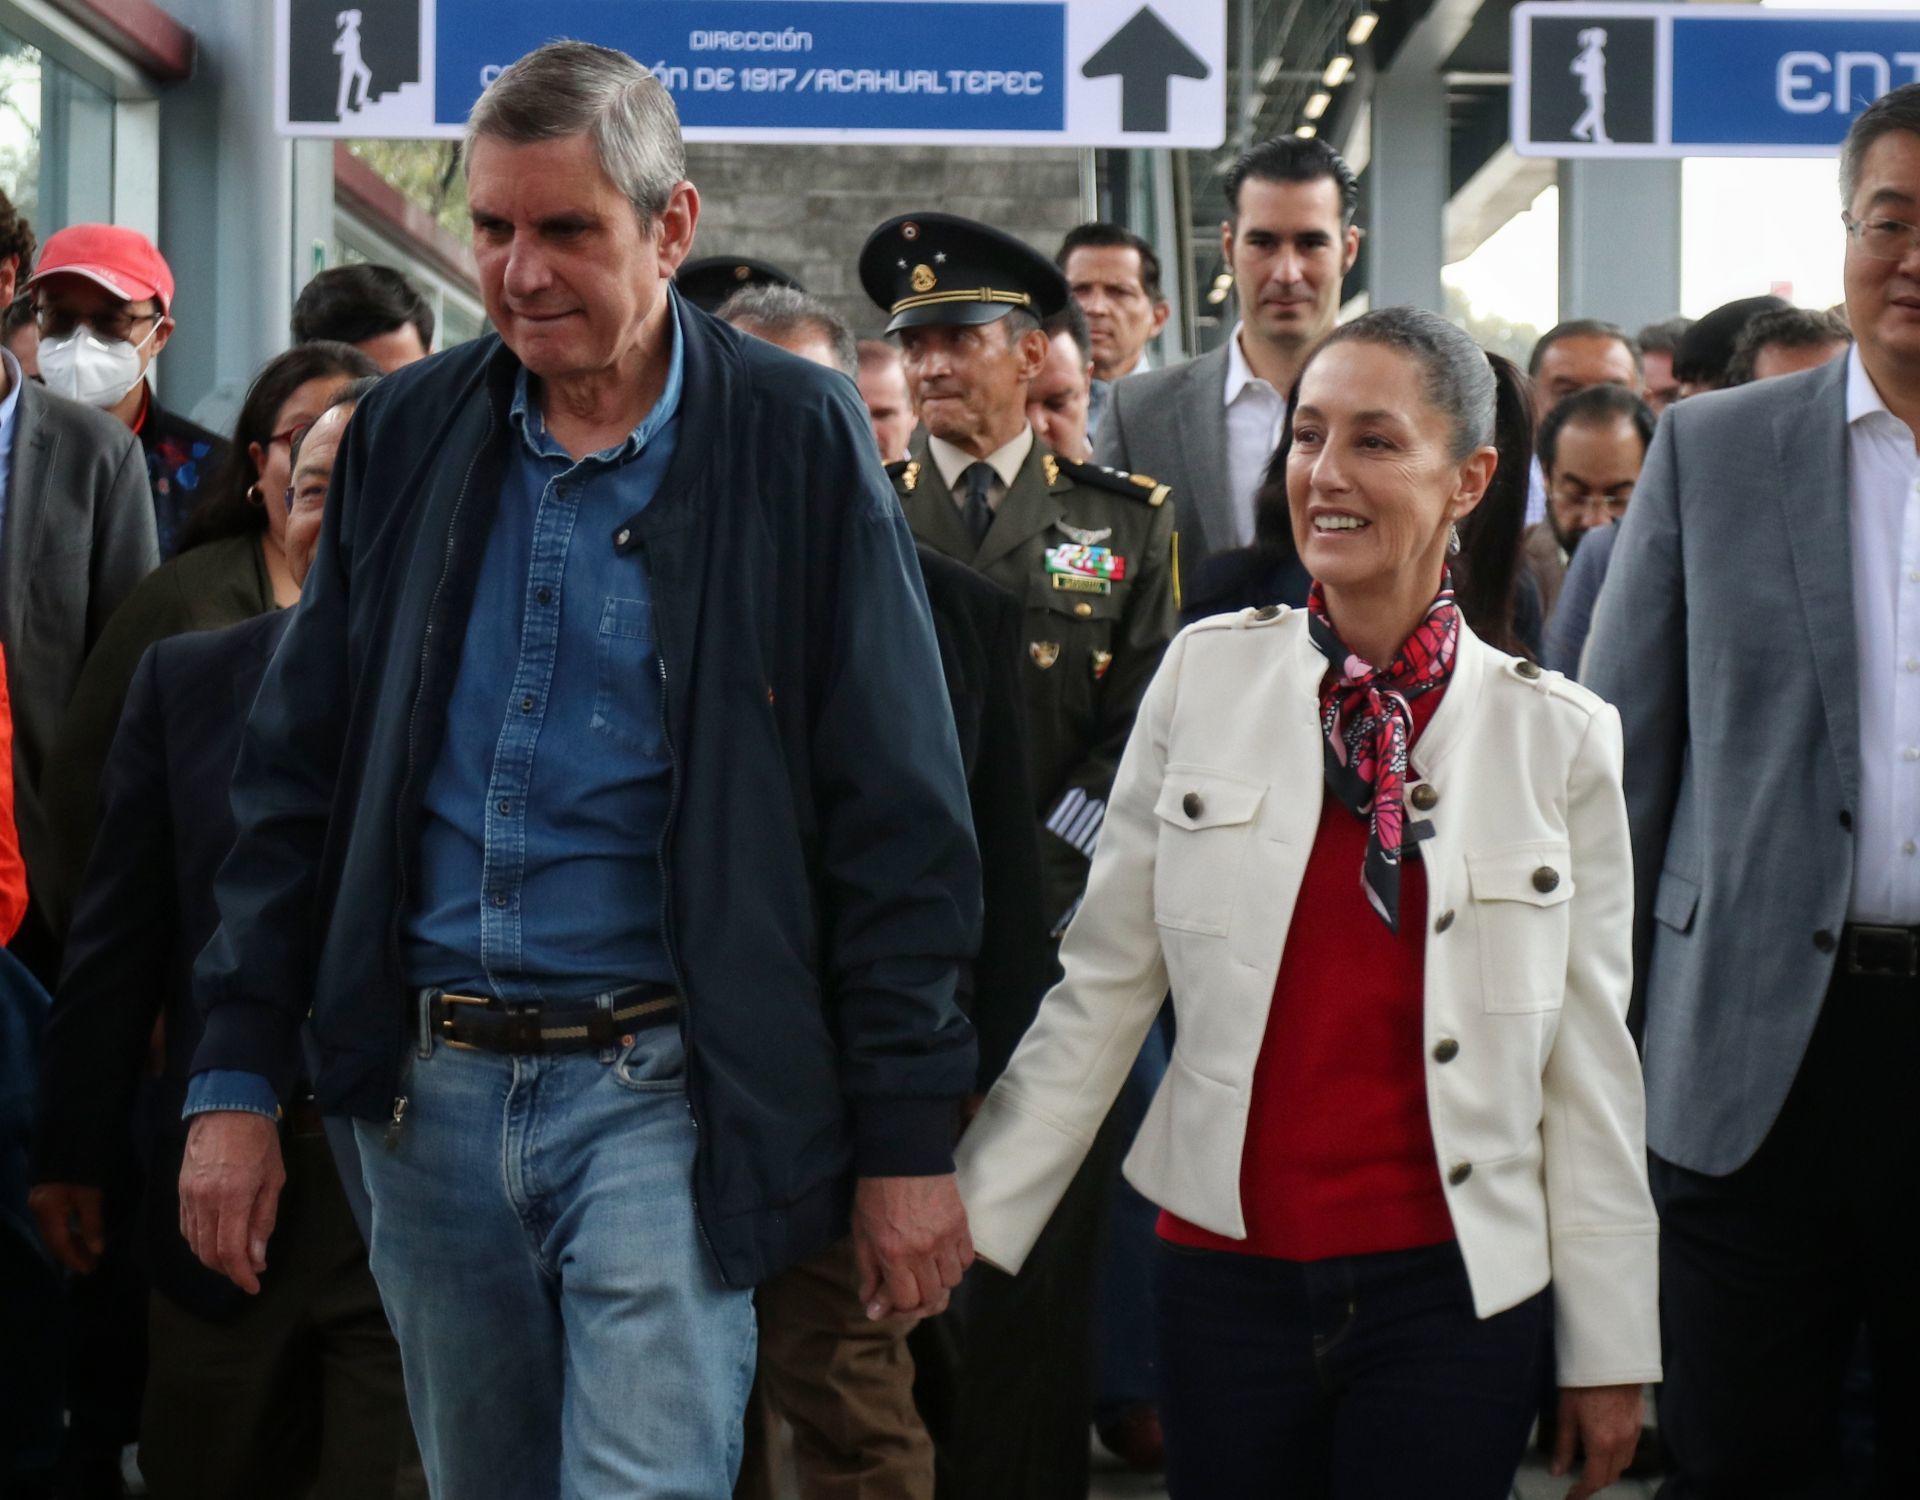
[1365,715]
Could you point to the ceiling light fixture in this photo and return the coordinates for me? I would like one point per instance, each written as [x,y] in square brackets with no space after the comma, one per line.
[1317,103]
[1337,71]
[1362,28]
[1306,132]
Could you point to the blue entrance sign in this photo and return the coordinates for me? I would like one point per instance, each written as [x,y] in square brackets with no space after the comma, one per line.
[982,72]
[827,64]
[1681,80]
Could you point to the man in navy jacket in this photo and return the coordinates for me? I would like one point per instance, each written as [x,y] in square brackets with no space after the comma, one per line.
[605,799]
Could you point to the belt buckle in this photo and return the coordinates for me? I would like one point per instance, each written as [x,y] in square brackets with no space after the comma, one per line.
[445,1028]
[1906,968]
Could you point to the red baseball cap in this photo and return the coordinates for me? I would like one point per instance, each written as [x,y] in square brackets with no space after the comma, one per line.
[124,261]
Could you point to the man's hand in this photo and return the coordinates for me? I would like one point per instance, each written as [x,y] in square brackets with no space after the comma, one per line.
[910,1242]
[1606,1421]
[230,1192]
[72,1220]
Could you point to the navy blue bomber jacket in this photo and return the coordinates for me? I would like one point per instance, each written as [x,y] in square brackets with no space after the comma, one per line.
[822,889]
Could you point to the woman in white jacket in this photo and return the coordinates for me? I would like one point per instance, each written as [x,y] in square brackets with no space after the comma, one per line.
[1384,868]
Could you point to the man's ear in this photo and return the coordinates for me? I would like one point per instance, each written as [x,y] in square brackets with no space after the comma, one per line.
[1161,312]
[1031,352]
[9,278]
[1351,249]
[162,331]
[676,226]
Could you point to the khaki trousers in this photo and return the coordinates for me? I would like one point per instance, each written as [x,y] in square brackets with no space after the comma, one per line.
[844,1385]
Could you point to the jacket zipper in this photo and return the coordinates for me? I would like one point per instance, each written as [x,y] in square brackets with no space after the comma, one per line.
[666,916]
[395,1124]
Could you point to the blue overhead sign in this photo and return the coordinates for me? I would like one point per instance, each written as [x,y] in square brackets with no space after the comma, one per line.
[1019,72]
[1682,80]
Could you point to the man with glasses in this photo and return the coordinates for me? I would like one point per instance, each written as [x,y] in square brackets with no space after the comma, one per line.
[103,299]
[1759,633]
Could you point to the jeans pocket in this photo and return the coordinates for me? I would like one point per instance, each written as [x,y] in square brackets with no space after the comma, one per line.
[654,1062]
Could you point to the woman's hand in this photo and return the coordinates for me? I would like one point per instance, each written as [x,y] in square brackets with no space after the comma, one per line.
[1605,1420]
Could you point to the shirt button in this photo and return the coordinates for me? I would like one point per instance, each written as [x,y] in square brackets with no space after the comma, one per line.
[506,807]
[1913,575]
[499,898]
[1913,663]
[545,596]
[622,537]
[1910,753]
[1908,847]
[526,704]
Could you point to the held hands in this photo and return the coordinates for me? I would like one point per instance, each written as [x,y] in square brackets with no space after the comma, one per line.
[230,1192]
[72,1220]
[1606,1421]
[910,1243]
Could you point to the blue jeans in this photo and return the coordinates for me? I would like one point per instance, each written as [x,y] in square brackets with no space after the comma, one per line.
[1366,1377]
[562,1328]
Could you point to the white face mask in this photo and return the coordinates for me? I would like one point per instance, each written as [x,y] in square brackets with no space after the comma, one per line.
[86,368]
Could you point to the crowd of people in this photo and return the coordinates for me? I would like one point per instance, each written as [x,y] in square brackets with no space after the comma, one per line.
[674,884]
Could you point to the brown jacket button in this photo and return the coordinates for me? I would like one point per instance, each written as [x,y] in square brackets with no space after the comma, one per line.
[1191,804]
[1266,612]
[1546,879]
[1446,920]
[1446,1050]
[1460,1173]
[1527,669]
[1423,797]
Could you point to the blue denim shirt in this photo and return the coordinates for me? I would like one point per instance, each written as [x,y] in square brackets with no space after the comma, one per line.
[540,874]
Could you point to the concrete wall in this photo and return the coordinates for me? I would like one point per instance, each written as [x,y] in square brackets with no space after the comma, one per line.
[809,209]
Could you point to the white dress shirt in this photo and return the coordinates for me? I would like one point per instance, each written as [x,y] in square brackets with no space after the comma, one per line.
[9,407]
[1005,462]
[1255,414]
[1883,498]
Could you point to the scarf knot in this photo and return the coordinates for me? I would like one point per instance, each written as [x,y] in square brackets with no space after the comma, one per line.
[1366,716]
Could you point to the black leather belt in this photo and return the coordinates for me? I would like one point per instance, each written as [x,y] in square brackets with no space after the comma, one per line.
[1880,952]
[483,1023]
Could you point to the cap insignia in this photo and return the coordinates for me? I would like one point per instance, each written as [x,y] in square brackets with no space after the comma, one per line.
[909,230]
[741,273]
[923,278]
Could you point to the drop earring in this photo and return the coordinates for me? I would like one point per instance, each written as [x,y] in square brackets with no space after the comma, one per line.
[1453,540]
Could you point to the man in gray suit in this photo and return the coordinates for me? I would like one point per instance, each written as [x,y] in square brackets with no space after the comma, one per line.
[1760,633]
[76,534]
[1207,428]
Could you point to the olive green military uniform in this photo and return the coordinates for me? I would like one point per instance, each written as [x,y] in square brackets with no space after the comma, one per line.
[1090,554]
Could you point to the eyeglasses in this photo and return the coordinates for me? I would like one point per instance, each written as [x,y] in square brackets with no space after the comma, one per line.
[1883,239]
[1612,504]
[115,326]
[291,437]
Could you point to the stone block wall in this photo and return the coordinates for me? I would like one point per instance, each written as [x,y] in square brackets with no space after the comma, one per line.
[810,208]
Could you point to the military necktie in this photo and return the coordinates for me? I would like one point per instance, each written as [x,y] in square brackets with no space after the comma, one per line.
[979,517]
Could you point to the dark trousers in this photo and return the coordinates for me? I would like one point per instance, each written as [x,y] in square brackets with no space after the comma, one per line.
[300,1395]
[1005,1377]
[1361,1378]
[1768,1274]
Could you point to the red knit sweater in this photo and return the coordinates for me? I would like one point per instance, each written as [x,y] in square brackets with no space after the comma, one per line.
[1339,1156]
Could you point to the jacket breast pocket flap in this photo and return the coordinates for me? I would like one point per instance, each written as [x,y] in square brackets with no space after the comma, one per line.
[1520,896]
[1674,900]
[1206,818]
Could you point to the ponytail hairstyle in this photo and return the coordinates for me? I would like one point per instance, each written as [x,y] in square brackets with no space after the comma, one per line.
[1487,403]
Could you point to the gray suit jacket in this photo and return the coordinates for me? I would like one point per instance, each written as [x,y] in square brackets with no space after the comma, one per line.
[1172,425]
[78,535]
[1725,637]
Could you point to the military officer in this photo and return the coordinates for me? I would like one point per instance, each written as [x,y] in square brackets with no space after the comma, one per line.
[1089,554]
[1088,551]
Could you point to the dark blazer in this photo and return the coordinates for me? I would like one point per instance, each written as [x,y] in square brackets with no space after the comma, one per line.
[216,584]
[78,536]
[822,882]
[144,912]
[978,627]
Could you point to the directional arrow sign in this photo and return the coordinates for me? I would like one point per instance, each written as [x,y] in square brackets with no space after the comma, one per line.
[911,72]
[1146,55]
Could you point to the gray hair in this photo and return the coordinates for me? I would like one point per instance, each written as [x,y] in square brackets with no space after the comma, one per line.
[576,88]
[779,313]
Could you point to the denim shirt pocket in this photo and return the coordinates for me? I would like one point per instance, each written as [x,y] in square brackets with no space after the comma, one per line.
[622,709]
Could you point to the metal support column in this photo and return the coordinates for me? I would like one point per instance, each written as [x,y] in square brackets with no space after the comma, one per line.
[1620,241]
[1407,189]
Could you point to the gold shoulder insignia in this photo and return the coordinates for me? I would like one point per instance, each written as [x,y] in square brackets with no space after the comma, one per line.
[1139,486]
[1051,466]
[906,471]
